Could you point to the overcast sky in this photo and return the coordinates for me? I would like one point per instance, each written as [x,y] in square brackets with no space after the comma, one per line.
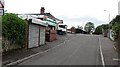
[72,12]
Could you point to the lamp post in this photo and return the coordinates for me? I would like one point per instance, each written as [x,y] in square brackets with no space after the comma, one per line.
[108,21]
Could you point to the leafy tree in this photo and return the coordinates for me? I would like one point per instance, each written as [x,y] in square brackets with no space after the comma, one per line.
[80,27]
[105,26]
[89,27]
[98,29]
[14,29]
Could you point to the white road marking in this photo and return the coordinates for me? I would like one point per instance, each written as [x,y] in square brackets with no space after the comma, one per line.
[115,48]
[101,53]
[116,59]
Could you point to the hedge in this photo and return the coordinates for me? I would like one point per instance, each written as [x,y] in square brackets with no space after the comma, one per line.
[116,26]
[14,29]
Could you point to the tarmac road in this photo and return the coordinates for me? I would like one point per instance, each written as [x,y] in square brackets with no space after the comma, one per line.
[79,50]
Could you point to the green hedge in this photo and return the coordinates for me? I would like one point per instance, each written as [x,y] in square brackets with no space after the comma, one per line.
[116,26]
[14,29]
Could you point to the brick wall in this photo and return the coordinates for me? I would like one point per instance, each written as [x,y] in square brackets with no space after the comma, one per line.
[53,35]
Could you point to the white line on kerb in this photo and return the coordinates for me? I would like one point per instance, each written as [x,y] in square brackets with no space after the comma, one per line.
[101,53]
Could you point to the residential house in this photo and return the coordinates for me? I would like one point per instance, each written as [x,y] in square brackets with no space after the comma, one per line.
[51,21]
[76,30]
[73,29]
[51,33]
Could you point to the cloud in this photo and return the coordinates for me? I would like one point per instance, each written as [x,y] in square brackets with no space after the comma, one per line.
[81,21]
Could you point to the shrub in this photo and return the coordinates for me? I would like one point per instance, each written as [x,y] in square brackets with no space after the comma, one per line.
[98,30]
[14,29]
[116,26]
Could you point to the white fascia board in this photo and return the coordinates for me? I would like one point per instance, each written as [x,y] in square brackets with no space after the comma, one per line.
[61,24]
[51,20]
[38,21]
[34,19]
[51,23]
[22,16]
[41,16]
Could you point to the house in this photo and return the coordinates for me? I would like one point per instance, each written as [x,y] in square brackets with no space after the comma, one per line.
[76,30]
[51,21]
[72,29]
[51,33]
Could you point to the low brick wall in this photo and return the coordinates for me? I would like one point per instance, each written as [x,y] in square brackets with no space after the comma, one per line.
[53,35]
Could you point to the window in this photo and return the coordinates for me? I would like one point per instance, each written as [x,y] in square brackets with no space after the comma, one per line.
[62,26]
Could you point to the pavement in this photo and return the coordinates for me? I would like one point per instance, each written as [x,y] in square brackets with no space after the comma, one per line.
[72,49]
[109,51]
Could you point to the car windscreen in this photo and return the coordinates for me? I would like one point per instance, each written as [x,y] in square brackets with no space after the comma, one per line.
[62,26]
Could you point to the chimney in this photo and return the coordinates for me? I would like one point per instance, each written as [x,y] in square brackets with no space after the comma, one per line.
[42,10]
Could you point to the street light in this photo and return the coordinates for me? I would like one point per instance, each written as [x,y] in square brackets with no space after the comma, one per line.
[108,21]
[108,15]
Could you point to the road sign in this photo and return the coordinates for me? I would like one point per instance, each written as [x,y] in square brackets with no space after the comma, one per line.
[1,12]
[1,7]
[1,3]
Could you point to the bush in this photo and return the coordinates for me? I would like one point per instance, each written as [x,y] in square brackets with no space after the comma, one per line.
[98,30]
[116,26]
[101,29]
[14,29]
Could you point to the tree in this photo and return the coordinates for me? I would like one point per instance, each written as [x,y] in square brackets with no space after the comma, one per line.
[116,31]
[105,26]
[116,26]
[98,29]
[89,27]
[80,27]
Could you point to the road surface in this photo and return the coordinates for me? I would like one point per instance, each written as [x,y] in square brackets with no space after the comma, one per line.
[79,50]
